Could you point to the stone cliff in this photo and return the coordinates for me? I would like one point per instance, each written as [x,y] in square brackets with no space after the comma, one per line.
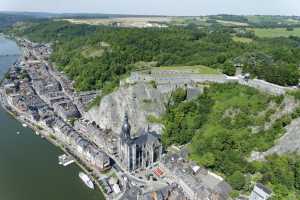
[145,94]
[138,100]
[290,141]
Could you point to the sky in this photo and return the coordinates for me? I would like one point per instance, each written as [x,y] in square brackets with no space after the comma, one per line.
[157,7]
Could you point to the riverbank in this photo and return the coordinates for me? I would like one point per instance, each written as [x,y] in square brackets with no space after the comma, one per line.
[29,168]
[47,102]
[44,133]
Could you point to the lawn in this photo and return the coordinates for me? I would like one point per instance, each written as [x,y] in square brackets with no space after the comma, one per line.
[92,52]
[197,69]
[276,32]
[242,39]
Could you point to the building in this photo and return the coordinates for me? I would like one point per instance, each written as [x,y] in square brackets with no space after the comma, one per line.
[91,131]
[196,182]
[66,110]
[139,152]
[170,192]
[84,149]
[260,192]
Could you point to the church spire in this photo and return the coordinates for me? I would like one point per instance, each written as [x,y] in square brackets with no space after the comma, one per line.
[126,127]
[148,128]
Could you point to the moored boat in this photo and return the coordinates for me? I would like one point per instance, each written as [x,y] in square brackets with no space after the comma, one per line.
[86,179]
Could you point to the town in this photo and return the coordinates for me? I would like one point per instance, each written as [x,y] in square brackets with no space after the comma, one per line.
[124,167]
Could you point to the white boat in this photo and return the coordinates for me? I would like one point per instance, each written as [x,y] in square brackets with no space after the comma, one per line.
[18,133]
[86,179]
[65,160]
[24,125]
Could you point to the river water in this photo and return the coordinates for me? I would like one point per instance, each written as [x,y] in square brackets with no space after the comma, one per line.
[29,167]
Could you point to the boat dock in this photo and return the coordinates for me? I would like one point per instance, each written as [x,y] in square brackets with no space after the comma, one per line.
[65,160]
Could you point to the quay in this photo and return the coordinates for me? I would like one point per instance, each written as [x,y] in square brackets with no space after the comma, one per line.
[65,160]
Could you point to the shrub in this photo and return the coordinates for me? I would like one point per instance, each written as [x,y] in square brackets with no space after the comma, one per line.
[237,180]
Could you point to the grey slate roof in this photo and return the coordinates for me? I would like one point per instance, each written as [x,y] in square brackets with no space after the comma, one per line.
[264,188]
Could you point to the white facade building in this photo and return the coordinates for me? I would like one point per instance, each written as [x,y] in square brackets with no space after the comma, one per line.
[260,192]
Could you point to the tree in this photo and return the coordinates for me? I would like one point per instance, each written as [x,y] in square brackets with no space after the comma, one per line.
[237,180]
[229,69]
[208,160]
[297,175]
[178,96]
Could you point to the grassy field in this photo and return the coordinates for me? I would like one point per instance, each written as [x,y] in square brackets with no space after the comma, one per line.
[96,50]
[92,52]
[232,23]
[242,39]
[276,32]
[198,69]
[272,19]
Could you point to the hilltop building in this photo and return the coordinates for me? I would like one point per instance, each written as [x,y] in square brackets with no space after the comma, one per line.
[139,152]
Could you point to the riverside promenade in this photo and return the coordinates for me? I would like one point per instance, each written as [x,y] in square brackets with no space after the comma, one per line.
[26,156]
[40,127]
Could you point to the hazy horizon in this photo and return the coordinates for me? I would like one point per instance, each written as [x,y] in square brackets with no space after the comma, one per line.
[156,7]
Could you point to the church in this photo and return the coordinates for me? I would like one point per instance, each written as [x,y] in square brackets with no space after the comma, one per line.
[138,152]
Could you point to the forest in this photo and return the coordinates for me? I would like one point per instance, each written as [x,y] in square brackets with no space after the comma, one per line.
[97,57]
[218,127]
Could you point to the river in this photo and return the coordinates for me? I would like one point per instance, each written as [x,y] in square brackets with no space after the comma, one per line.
[29,167]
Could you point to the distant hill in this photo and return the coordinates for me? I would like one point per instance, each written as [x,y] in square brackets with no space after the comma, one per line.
[8,19]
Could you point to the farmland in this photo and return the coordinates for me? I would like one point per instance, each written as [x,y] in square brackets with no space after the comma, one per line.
[123,22]
[276,32]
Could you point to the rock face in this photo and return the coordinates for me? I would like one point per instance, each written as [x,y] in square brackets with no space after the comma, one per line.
[290,142]
[139,101]
[288,106]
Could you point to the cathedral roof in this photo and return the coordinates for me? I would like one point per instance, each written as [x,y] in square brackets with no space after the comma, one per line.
[146,137]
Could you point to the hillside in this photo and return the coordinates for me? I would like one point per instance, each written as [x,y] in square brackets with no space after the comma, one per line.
[224,125]
[78,51]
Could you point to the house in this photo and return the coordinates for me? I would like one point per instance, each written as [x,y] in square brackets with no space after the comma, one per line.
[66,110]
[197,183]
[260,192]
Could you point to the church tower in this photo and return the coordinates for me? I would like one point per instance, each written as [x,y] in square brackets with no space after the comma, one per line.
[125,144]
[138,152]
